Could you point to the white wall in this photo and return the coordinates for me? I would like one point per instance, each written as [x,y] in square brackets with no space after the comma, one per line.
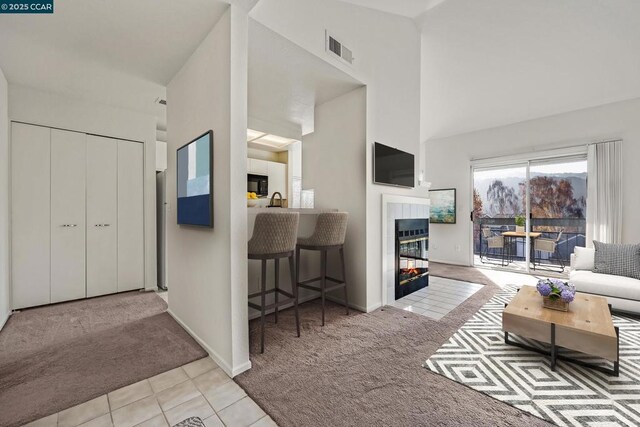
[48,109]
[387,52]
[207,268]
[448,163]
[495,62]
[161,156]
[5,302]
[333,159]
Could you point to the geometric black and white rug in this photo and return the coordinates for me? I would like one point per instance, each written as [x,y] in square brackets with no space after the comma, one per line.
[477,357]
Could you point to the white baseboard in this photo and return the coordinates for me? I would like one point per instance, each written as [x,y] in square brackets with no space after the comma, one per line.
[373,307]
[240,369]
[232,372]
[351,305]
[4,321]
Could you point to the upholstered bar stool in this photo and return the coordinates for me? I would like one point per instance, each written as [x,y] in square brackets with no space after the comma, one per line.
[274,237]
[329,234]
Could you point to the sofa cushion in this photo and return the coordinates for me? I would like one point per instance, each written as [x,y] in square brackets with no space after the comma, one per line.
[605,284]
[617,259]
[584,259]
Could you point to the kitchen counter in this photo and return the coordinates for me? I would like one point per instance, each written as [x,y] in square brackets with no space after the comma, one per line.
[301,211]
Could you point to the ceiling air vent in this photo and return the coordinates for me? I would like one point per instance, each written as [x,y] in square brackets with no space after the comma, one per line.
[334,47]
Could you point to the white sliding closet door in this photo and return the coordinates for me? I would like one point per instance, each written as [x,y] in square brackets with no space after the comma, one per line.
[130,216]
[102,216]
[30,215]
[68,182]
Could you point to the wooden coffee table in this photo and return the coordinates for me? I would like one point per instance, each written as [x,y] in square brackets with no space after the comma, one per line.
[587,327]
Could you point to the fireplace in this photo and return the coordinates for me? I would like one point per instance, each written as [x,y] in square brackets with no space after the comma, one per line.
[412,256]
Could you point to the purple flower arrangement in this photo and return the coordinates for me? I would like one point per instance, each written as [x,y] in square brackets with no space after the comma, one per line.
[556,289]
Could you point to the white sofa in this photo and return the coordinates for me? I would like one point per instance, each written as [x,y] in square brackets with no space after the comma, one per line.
[622,292]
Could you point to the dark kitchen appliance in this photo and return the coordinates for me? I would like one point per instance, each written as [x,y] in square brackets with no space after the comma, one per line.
[258,184]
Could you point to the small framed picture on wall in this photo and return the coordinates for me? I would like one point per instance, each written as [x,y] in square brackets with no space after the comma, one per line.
[443,206]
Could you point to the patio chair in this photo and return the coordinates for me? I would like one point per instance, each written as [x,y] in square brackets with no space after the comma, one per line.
[494,242]
[549,246]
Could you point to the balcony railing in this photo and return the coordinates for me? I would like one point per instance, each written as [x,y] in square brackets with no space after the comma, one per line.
[573,234]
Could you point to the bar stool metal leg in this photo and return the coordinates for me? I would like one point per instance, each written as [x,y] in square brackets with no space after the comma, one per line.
[323,279]
[263,285]
[344,279]
[277,268]
[294,290]
[274,237]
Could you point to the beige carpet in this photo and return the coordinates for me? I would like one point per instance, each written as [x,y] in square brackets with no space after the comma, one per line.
[55,357]
[457,272]
[366,370]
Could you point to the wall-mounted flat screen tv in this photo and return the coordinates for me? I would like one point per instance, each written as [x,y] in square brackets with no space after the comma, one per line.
[195,181]
[392,166]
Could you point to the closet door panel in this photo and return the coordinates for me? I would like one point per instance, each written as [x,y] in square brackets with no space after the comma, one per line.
[130,216]
[68,207]
[30,215]
[102,212]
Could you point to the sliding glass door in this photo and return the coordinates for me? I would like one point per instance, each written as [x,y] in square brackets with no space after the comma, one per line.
[499,198]
[529,215]
[558,205]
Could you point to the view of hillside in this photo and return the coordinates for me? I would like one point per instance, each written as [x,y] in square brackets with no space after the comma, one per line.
[502,194]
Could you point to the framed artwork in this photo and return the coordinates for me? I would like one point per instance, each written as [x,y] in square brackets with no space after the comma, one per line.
[195,181]
[443,206]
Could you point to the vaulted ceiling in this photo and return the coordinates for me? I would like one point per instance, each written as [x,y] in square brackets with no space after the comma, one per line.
[495,62]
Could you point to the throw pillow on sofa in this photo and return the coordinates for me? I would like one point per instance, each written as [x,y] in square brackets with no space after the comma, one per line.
[584,258]
[617,259]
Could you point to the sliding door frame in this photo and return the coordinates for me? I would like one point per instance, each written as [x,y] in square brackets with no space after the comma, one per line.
[519,160]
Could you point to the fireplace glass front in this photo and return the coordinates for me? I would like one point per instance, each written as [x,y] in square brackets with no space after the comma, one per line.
[412,256]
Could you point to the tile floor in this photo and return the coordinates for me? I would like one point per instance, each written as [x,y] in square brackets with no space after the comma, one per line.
[198,389]
[439,298]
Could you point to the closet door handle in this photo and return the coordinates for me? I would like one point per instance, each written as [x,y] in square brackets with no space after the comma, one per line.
[106,225]
[69,225]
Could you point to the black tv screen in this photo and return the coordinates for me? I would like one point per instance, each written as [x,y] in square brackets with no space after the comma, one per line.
[392,166]
[195,181]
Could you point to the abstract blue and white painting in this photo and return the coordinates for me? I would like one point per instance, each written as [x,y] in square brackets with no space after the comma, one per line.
[194,182]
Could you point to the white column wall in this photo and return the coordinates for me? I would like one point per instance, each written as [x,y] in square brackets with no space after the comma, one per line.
[333,158]
[5,296]
[207,268]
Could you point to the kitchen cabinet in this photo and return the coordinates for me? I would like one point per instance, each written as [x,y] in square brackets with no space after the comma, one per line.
[258,167]
[277,173]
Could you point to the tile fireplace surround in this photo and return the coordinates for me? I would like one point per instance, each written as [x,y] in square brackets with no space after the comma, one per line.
[396,207]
